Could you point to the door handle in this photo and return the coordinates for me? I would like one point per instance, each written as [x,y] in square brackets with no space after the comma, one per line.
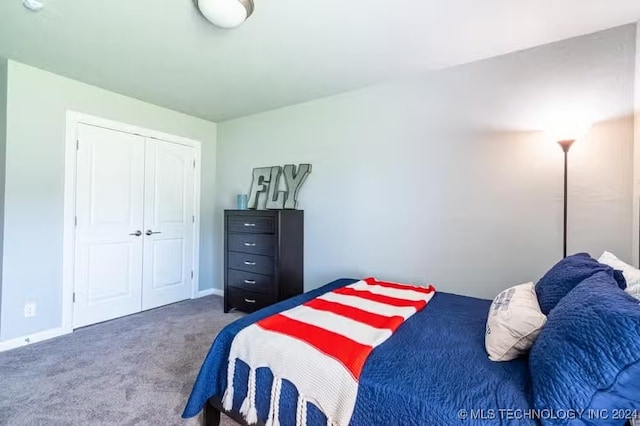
[249,281]
[249,263]
[250,300]
[250,225]
[137,233]
[150,232]
[250,244]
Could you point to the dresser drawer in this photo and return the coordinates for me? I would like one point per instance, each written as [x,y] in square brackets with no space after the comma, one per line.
[252,243]
[252,282]
[248,301]
[251,263]
[263,257]
[251,224]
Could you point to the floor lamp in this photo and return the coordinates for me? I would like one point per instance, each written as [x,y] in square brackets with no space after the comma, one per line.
[565,145]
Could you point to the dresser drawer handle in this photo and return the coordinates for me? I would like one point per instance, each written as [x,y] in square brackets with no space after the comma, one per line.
[251,225]
[250,300]
[249,281]
[250,244]
[248,263]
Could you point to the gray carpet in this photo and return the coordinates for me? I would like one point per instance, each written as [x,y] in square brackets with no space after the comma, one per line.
[136,370]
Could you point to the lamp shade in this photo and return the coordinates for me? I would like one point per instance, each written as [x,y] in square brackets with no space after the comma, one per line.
[226,13]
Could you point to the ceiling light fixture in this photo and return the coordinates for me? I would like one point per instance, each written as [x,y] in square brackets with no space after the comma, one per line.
[33,5]
[225,13]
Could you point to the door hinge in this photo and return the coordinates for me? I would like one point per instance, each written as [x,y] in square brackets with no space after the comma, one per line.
[77,144]
[193,219]
[191,274]
[194,164]
[74,297]
[75,221]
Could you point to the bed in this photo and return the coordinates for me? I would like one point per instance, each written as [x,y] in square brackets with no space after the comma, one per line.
[433,371]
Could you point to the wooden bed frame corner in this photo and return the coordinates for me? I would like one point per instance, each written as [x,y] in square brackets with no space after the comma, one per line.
[213,409]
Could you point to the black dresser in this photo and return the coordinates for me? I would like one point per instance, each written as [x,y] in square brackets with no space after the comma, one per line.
[263,257]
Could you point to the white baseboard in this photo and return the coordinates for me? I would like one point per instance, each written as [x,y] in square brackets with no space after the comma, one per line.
[210,292]
[60,331]
[33,338]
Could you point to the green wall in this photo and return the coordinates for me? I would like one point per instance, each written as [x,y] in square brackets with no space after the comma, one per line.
[37,103]
[3,133]
[447,177]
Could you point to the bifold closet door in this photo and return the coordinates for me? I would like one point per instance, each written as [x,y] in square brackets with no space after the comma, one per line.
[135,226]
[109,225]
[168,223]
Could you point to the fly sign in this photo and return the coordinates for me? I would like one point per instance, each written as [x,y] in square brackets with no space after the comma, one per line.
[267,181]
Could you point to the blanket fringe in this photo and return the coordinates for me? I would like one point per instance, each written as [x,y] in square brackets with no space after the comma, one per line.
[248,408]
[227,399]
[274,406]
[301,412]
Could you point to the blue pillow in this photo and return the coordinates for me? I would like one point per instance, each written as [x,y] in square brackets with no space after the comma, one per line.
[567,274]
[587,356]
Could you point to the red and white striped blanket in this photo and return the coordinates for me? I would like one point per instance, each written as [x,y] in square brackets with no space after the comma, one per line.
[322,345]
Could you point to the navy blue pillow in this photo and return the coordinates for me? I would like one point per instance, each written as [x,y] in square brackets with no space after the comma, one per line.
[587,356]
[567,274]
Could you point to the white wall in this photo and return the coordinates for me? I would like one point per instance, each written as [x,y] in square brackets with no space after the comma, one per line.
[37,102]
[445,177]
[636,156]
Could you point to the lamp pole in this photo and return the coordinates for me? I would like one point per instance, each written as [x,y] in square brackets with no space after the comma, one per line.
[565,145]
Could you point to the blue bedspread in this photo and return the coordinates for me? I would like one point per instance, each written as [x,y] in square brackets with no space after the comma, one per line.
[429,372]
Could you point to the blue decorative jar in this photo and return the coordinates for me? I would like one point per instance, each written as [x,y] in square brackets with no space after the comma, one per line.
[241,201]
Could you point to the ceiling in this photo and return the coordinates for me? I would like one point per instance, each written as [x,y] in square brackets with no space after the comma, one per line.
[289,51]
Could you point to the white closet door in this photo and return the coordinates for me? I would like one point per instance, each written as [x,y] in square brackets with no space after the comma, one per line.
[109,209]
[168,223]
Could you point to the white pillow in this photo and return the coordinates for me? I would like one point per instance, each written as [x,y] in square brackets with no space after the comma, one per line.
[631,274]
[635,292]
[514,323]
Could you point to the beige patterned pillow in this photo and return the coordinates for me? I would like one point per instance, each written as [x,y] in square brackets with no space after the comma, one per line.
[514,323]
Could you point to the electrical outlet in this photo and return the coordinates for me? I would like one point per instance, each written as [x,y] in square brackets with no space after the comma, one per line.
[29,310]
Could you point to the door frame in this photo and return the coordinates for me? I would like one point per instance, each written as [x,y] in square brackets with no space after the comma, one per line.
[73,119]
